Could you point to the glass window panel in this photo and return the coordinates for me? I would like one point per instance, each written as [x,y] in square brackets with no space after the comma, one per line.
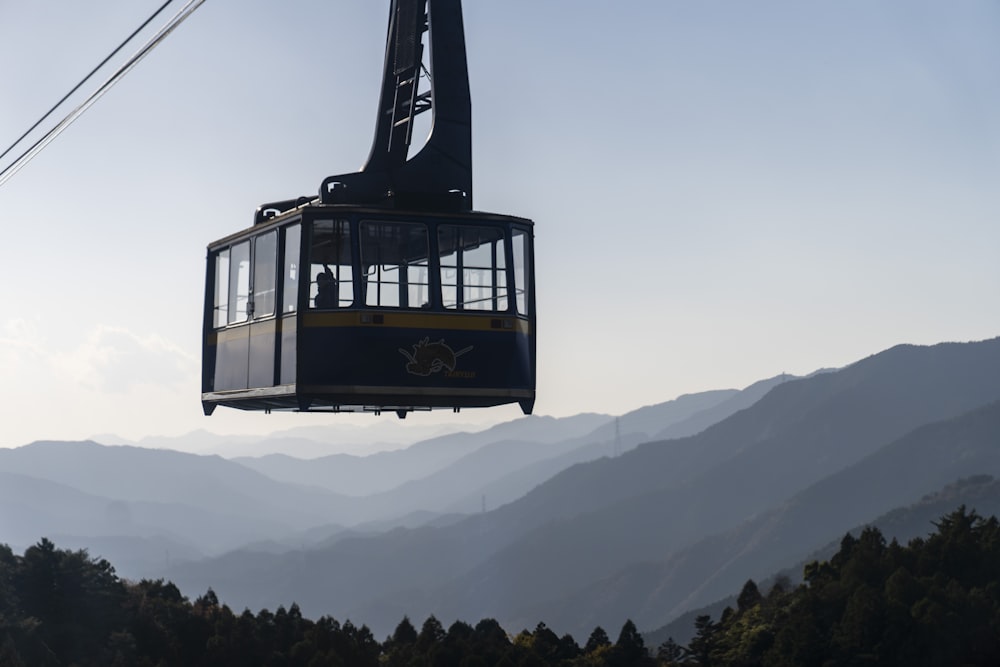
[522,268]
[449,287]
[394,256]
[473,268]
[265,259]
[239,282]
[418,284]
[221,307]
[500,257]
[290,291]
[331,278]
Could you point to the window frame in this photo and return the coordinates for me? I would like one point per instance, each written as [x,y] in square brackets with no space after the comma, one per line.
[403,283]
[291,262]
[235,286]
[523,297]
[497,272]
[341,276]
[500,277]
[255,266]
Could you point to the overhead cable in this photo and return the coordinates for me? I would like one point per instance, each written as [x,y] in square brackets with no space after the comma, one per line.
[85,79]
[8,172]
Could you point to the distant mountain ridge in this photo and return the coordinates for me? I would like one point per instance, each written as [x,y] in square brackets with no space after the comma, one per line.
[302,441]
[34,507]
[595,519]
[687,414]
[735,402]
[214,502]
[918,464]
[571,534]
[683,490]
[461,472]
[196,505]
[382,471]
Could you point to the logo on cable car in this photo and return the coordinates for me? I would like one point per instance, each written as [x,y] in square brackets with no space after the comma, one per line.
[431,357]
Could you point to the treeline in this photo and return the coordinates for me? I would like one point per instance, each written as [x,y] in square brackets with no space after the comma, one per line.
[935,601]
[62,607]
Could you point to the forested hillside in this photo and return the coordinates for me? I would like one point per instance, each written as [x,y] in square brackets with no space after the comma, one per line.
[933,602]
[981,493]
[919,464]
[60,607]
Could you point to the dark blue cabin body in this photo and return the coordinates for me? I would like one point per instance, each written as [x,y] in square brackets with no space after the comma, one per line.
[429,361]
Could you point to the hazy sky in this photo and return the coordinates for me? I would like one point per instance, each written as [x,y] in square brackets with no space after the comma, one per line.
[722,190]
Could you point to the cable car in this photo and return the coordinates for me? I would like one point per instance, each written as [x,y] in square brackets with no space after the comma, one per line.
[387,291]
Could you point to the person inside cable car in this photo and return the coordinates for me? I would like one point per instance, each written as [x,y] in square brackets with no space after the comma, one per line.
[326,289]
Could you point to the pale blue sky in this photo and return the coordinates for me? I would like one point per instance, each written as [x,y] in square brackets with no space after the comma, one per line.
[723,190]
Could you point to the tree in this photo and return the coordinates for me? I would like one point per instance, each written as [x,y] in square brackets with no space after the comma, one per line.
[545,644]
[703,644]
[597,639]
[405,633]
[208,603]
[491,641]
[670,652]
[431,633]
[8,570]
[630,649]
[749,597]
[77,599]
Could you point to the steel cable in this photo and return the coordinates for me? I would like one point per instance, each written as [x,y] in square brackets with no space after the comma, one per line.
[24,158]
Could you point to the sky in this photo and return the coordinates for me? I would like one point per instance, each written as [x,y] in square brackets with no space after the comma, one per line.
[723,190]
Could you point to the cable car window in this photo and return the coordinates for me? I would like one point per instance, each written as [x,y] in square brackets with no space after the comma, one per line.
[290,293]
[239,282]
[473,267]
[220,308]
[265,258]
[331,283]
[522,269]
[394,259]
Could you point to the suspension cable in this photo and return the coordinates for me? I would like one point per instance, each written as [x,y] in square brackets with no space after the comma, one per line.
[85,79]
[24,158]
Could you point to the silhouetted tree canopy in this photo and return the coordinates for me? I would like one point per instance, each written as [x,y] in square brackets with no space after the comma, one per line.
[935,601]
[598,638]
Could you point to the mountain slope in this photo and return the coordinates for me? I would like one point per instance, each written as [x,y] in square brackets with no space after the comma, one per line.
[377,473]
[702,419]
[663,496]
[896,475]
[594,519]
[980,493]
[456,472]
[162,478]
[32,508]
[604,441]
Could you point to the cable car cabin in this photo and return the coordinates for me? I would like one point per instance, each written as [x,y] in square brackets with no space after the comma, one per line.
[387,291]
[347,308]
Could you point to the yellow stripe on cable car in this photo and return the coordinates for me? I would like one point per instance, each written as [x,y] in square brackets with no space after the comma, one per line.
[416,320]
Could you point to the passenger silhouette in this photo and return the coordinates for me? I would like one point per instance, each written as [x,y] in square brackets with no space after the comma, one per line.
[326,289]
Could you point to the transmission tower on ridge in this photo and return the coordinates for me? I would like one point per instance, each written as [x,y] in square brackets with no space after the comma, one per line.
[618,437]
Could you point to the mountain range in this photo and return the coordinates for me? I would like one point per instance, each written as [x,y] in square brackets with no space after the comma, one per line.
[579,521]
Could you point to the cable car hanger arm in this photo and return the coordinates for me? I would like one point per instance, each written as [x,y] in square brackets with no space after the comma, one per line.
[440,174]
